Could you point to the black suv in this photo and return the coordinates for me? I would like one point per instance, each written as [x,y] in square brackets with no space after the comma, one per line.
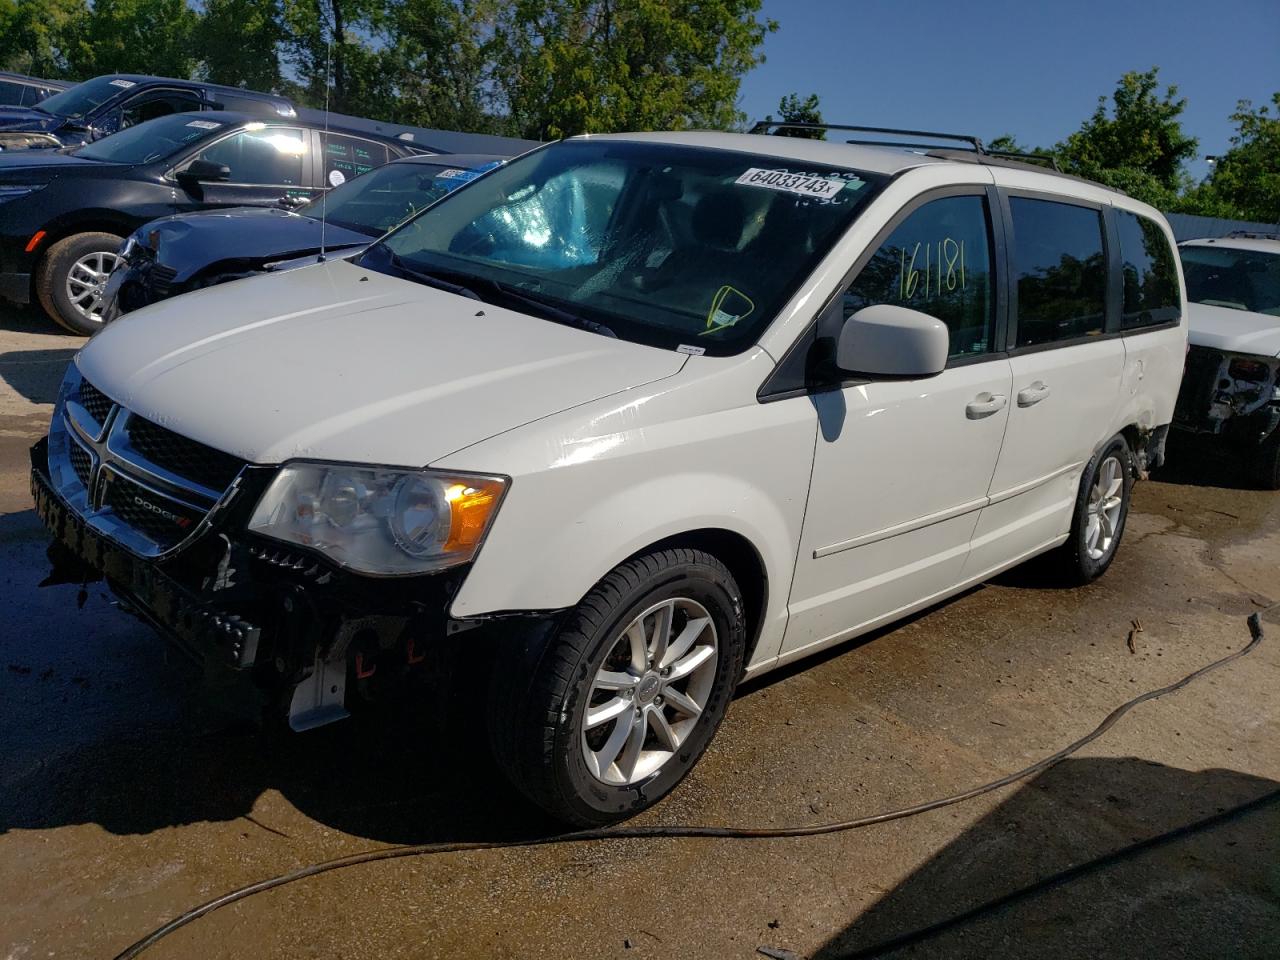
[104,105]
[63,214]
[17,90]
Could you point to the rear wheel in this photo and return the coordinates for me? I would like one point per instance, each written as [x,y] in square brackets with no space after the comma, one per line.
[1102,506]
[622,700]
[72,277]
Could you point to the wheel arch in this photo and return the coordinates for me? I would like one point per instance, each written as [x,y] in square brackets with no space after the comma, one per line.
[742,558]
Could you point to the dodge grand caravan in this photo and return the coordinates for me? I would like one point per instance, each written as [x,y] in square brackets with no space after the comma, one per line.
[648,413]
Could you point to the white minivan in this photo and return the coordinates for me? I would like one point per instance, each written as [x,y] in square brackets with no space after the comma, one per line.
[638,415]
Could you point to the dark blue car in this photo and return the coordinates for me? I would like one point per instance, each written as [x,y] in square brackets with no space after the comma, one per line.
[185,252]
[103,105]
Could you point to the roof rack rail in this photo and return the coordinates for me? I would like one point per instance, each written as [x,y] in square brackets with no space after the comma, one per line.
[1048,158]
[1252,235]
[764,126]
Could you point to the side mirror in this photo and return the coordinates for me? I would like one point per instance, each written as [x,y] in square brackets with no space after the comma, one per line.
[203,171]
[888,341]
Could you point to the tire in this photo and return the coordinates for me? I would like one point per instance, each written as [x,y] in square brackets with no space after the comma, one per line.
[1264,464]
[540,691]
[52,276]
[1083,558]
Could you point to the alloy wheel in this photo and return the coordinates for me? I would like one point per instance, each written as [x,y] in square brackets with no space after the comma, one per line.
[1106,499]
[649,692]
[86,281]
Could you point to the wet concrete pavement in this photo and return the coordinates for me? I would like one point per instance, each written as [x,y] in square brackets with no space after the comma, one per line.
[126,797]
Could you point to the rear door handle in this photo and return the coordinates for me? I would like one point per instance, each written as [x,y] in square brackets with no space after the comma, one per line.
[1029,396]
[984,405]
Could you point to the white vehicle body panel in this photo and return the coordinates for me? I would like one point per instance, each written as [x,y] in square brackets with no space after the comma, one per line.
[861,504]
[339,363]
[1234,331]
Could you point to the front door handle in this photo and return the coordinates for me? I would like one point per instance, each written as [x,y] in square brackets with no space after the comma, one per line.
[984,405]
[1029,396]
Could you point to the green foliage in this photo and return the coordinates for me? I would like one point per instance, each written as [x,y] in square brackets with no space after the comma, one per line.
[791,109]
[136,36]
[1245,183]
[1139,146]
[42,37]
[239,42]
[561,67]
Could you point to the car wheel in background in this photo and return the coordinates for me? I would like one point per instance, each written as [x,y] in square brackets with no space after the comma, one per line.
[72,277]
[1102,506]
[605,718]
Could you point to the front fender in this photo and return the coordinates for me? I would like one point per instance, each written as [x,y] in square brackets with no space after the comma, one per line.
[601,498]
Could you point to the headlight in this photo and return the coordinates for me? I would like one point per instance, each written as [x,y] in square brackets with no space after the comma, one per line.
[378,520]
[128,248]
[12,191]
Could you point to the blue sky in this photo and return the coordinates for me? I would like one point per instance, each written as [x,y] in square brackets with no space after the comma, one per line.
[1032,68]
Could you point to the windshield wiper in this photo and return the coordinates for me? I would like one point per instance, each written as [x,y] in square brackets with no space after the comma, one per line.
[545,307]
[431,280]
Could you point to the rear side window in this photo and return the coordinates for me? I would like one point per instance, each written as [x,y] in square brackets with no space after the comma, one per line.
[346,158]
[1150,277]
[11,94]
[937,261]
[1061,270]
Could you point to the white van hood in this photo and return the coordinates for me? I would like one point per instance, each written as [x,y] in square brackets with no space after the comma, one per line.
[337,362]
[1233,331]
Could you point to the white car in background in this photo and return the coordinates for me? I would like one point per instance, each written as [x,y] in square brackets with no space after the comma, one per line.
[637,415]
[1231,388]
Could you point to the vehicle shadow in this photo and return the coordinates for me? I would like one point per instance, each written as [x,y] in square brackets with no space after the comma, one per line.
[1204,462]
[1068,867]
[35,374]
[102,725]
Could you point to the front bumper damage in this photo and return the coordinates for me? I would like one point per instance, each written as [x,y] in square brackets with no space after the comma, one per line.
[1214,401]
[304,636]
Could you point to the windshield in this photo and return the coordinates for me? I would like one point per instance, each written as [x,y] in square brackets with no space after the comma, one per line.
[153,140]
[662,244]
[83,98]
[377,201]
[1238,279]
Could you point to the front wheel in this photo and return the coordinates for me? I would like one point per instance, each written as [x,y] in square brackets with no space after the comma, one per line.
[1102,506]
[72,277]
[622,700]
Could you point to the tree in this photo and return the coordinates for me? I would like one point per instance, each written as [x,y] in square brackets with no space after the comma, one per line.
[1245,183]
[331,41]
[561,67]
[239,42]
[1139,146]
[42,37]
[136,36]
[791,109]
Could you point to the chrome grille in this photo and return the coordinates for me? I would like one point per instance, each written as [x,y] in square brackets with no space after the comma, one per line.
[81,463]
[96,403]
[208,467]
[132,480]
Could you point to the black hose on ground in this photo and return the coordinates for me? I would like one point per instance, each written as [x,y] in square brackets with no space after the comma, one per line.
[684,832]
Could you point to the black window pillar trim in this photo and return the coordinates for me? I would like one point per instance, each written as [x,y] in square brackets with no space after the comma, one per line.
[807,366]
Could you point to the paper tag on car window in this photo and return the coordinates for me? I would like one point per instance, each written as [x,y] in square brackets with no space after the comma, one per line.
[452,173]
[126,84]
[204,124]
[803,184]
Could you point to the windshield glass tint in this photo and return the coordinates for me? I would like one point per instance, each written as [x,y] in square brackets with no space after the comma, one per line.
[377,201]
[153,140]
[1238,279]
[663,244]
[84,97]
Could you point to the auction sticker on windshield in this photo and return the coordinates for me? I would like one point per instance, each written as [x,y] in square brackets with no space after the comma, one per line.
[802,184]
[204,124]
